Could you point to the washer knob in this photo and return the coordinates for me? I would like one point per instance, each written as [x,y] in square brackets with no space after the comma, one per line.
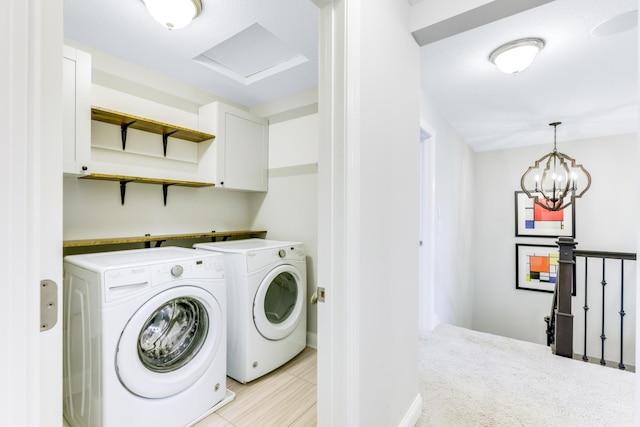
[176,270]
[282,253]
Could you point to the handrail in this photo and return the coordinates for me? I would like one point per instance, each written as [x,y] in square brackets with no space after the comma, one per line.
[608,255]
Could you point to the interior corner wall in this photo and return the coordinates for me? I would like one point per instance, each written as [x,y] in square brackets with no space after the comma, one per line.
[289,210]
[386,150]
[606,220]
[454,234]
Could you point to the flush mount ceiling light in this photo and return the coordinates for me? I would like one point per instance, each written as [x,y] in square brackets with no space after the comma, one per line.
[552,182]
[515,56]
[174,14]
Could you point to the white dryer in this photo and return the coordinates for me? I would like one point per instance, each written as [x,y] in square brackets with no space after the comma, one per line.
[144,337]
[267,318]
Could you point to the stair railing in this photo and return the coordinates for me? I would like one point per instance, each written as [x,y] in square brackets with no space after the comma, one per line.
[560,322]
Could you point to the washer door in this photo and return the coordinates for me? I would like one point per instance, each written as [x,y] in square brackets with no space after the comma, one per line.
[170,342]
[278,302]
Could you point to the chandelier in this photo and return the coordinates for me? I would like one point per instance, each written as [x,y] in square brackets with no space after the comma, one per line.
[553,180]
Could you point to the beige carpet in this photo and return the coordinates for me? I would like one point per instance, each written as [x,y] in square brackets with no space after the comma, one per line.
[470,378]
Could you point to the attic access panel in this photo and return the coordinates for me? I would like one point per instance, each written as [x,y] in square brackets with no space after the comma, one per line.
[251,55]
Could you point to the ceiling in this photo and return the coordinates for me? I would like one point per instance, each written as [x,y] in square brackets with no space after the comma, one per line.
[587,82]
[124,28]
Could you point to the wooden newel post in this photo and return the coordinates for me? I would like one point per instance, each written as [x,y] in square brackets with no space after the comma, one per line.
[564,318]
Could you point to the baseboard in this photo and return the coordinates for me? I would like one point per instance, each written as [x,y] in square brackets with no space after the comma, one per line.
[312,339]
[413,414]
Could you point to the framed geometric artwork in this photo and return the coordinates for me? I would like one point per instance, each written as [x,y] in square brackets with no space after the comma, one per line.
[536,267]
[533,220]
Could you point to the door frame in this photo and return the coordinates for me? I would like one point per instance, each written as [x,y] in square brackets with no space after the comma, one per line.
[427,317]
[31,168]
[338,215]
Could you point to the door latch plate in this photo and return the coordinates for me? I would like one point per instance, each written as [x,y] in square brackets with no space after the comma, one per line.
[48,304]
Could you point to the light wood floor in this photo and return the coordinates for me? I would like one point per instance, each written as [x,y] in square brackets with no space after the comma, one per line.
[285,397]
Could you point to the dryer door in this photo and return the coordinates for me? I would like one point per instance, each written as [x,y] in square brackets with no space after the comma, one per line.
[278,302]
[169,342]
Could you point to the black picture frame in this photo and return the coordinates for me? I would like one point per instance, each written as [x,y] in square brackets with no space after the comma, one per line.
[534,221]
[538,278]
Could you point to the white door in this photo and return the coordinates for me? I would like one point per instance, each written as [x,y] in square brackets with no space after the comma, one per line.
[31,213]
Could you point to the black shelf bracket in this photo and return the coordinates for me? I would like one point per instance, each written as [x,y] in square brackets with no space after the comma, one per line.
[123,131]
[165,188]
[148,243]
[123,190]
[224,238]
[165,138]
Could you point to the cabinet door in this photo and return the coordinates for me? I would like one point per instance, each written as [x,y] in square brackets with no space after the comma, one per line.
[76,88]
[240,150]
[245,155]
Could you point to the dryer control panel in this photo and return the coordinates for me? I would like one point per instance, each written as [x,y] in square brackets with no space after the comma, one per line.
[265,257]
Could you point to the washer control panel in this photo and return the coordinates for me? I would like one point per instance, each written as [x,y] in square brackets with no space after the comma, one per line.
[177,270]
[122,282]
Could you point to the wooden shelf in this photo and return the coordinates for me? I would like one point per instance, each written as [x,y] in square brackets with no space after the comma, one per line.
[124,180]
[147,125]
[163,238]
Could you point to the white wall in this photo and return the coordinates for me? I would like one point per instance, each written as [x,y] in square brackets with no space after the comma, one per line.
[454,236]
[289,210]
[386,153]
[606,219]
[92,209]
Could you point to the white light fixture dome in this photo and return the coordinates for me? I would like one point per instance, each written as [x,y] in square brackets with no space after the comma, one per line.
[515,56]
[174,14]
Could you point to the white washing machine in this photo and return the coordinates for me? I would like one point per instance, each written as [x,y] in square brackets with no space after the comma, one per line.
[267,318]
[144,337]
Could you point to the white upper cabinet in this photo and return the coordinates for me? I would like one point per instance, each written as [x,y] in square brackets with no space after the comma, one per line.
[241,147]
[76,111]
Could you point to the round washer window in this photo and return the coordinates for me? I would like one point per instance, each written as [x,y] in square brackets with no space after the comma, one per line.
[173,335]
[281,298]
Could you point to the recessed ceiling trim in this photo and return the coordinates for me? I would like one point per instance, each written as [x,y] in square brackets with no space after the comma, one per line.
[617,24]
[251,55]
[255,77]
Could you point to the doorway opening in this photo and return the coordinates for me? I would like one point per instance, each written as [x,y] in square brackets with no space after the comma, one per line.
[427,317]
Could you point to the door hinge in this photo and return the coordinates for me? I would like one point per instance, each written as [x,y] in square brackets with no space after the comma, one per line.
[48,304]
